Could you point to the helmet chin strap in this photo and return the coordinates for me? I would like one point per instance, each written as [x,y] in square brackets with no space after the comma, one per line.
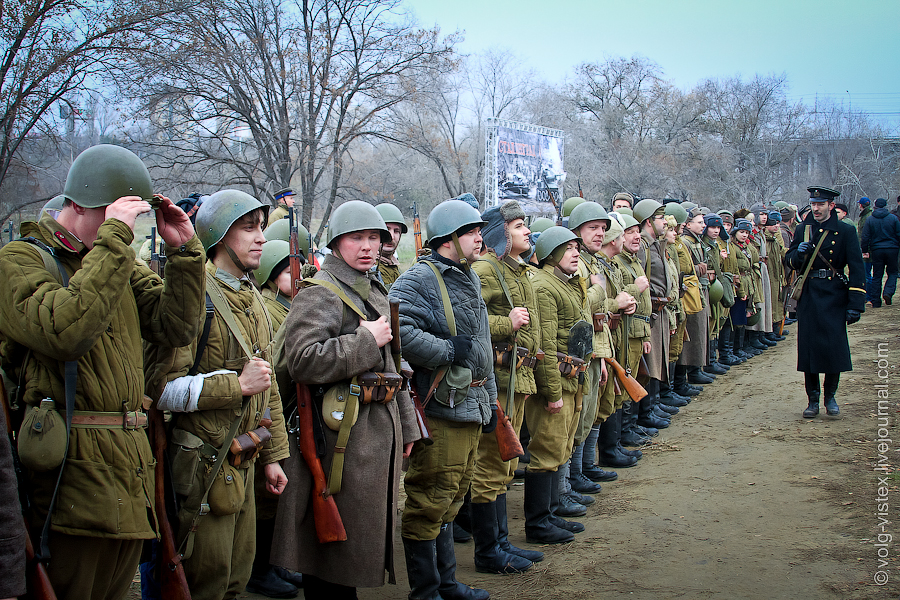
[462,259]
[237,262]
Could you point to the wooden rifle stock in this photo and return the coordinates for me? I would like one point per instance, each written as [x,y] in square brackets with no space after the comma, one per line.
[507,441]
[634,389]
[329,527]
[173,583]
[36,578]
[421,420]
[417,231]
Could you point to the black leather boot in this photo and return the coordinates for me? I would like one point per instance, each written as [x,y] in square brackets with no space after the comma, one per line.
[450,588]
[421,568]
[681,386]
[830,386]
[264,578]
[713,367]
[577,479]
[570,504]
[618,416]
[646,416]
[608,445]
[763,338]
[589,465]
[462,524]
[630,436]
[503,534]
[696,376]
[755,341]
[556,495]
[726,355]
[740,346]
[812,410]
[538,498]
[489,558]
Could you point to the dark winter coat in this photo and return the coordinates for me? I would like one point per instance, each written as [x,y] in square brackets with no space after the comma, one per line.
[12,529]
[881,232]
[822,344]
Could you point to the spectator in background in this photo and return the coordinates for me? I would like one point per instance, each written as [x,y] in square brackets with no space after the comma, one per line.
[865,211]
[880,243]
[843,212]
[896,211]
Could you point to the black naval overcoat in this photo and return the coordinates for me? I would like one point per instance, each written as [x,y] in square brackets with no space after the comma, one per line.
[822,345]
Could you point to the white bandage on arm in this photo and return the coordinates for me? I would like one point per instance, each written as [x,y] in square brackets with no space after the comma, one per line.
[183,394]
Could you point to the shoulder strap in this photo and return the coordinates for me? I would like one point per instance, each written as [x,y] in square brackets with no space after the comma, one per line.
[812,259]
[445,298]
[340,294]
[503,285]
[222,307]
[204,337]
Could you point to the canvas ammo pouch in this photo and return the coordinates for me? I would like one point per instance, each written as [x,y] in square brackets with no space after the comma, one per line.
[457,379]
[247,445]
[188,453]
[42,438]
[570,366]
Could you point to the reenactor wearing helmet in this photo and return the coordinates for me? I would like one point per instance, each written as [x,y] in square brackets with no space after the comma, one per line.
[668,394]
[445,331]
[285,199]
[75,305]
[388,265]
[712,235]
[694,355]
[675,309]
[515,335]
[337,341]
[568,206]
[776,273]
[219,387]
[552,414]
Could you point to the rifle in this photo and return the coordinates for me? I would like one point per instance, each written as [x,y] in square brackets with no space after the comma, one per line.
[421,421]
[580,193]
[36,578]
[417,231]
[329,527]
[157,262]
[635,390]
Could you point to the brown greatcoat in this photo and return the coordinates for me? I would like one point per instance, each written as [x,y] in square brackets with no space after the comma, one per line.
[325,344]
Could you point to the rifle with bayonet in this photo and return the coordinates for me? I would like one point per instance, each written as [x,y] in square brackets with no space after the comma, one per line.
[329,526]
[157,261]
[417,232]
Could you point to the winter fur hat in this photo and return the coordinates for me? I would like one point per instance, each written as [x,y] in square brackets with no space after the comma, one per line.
[495,234]
[714,220]
[758,208]
[741,213]
[469,199]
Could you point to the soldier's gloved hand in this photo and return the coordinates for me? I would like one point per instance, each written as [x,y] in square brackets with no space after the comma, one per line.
[492,425]
[462,344]
[852,316]
[804,247]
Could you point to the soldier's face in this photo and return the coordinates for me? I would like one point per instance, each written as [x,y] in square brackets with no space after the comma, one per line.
[763,219]
[245,238]
[621,204]
[283,282]
[821,210]
[569,262]
[396,232]
[728,226]
[359,249]
[289,200]
[632,238]
[519,241]
[470,242]
[713,231]
[591,234]
[742,235]
[696,225]
[616,245]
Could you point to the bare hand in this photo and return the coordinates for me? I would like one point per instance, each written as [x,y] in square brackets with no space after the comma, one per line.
[642,283]
[604,373]
[554,407]
[711,275]
[701,268]
[624,300]
[127,209]
[407,449]
[255,377]
[723,254]
[647,347]
[172,223]
[596,280]
[865,255]
[519,317]
[380,329]
[276,480]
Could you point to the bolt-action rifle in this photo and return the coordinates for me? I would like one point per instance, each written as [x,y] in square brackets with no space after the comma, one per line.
[329,527]
[417,232]
[634,389]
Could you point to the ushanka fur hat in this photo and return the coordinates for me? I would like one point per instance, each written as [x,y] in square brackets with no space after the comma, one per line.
[495,234]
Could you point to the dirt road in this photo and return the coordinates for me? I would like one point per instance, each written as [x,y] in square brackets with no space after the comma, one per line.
[739,498]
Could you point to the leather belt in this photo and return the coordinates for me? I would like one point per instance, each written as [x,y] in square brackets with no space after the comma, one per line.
[109,420]
[821,274]
[641,317]
[479,383]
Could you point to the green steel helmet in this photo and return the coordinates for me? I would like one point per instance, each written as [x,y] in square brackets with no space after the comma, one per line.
[550,240]
[53,207]
[274,251]
[689,206]
[392,214]
[450,217]
[781,204]
[219,212]
[102,174]
[628,221]
[753,319]
[570,204]
[645,209]
[625,211]
[355,215]
[677,211]
[586,211]
[281,230]
[716,291]
[540,224]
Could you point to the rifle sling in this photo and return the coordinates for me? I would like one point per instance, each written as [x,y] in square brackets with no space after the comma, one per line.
[812,259]
[514,356]
[451,325]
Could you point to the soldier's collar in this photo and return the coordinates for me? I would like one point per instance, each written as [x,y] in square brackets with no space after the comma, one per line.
[228,279]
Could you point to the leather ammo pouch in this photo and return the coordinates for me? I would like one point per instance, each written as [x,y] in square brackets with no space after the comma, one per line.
[570,366]
[599,319]
[247,445]
[502,352]
[379,387]
[615,319]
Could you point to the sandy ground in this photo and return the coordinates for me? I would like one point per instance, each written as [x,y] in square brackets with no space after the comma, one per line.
[739,498]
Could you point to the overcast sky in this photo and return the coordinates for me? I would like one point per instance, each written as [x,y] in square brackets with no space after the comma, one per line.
[846,50]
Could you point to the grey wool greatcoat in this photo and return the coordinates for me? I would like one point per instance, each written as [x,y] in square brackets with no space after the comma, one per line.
[324,343]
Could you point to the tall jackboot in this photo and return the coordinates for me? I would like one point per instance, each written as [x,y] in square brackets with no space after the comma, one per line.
[669,395]
[645,408]
[712,367]
[811,383]
[830,386]
[754,341]
[577,479]
[618,416]
[589,465]
[503,534]
[450,588]
[489,558]
[556,497]
[697,377]
[740,346]
[763,338]
[610,455]
[775,336]
[681,385]
[726,355]
[264,578]
[630,436]
[421,568]
[538,501]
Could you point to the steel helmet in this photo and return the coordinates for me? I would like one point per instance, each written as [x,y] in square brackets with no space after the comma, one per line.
[716,291]
[102,174]
[273,253]
[645,209]
[625,211]
[585,212]
[281,230]
[753,319]
[677,211]
[551,239]
[355,215]
[628,221]
[54,206]
[219,212]
[540,224]
[392,214]
[689,206]
[570,204]
[450,217]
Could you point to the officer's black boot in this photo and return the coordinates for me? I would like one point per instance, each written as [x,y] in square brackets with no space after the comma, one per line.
[264,577]
[421,568]
[556,501]
[577,479]
[489,558]
[681,386]
[618,416]
[811,383]
[726,355]
[608,445]
[630,435]
[698,377]
[645,408]
[450,588]
[503,534]
[538,499]
[830,386]
[589,465]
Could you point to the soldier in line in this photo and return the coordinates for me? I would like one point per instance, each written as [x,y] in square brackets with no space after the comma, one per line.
[285,199]
[220,386]
[446,337]
[823,247]
[100,303]
[676,314]
[388,265]
[694,355]
[675,391]
[712,236]
[745,294]
[515,337]
[622,200]
[776,273]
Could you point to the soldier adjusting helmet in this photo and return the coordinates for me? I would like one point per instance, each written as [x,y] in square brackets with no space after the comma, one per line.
[104,173]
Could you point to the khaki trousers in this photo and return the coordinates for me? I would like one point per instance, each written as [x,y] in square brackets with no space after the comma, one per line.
[552,436]
[92,568]
[491,474]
